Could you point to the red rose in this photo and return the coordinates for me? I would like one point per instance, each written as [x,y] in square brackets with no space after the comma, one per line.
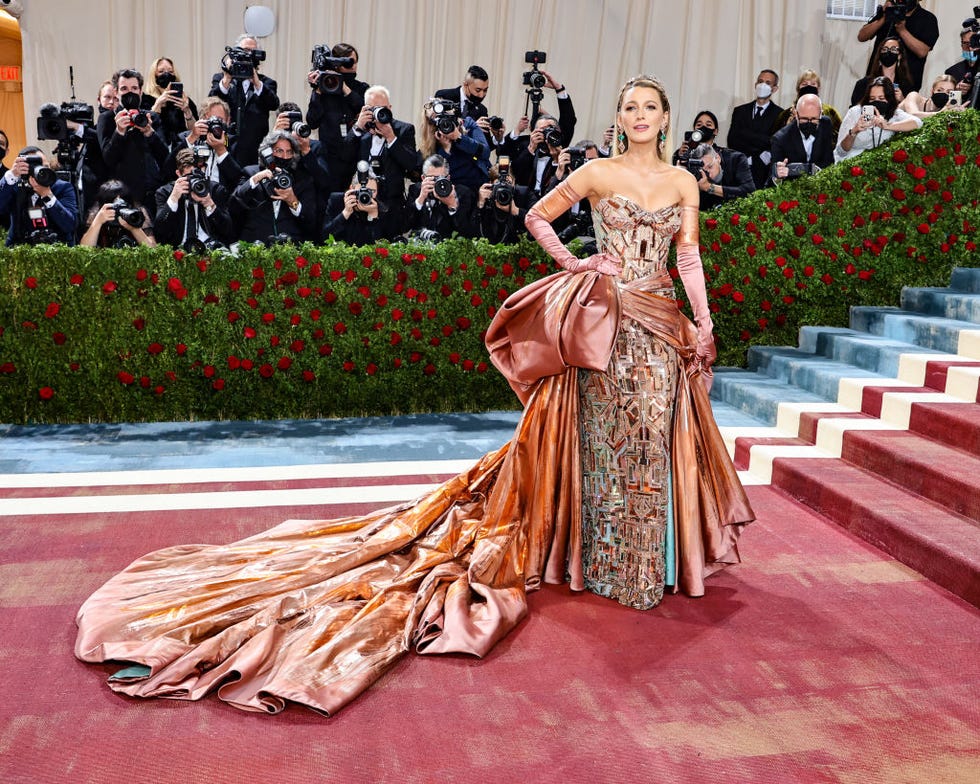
[181,349]
[429,369]
[865,274]
[482,367]
[738,296]
[309,376]
[726,237]
[463,323]
[856,171]
[52,310]
[919,172]
[284,363]
[340,328]
[923,228]
[395,339]
[233,316]
[355,308]
[218,384]
[416,333]
[274,341]
[325,350]
[734,220]
[348,366]
[208,371]
[711,223]
[788,272]
[125,378]
[76,279]
[371,369]
[846,186]
[178,254]
[234,285]
[234,362]
[266,370]
[109,286]
[476,300]
[808,271]
[900,156]
[154,348]
[850,269]
[827,278]
[249,333]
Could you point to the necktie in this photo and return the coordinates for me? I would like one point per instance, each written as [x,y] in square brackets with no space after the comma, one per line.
[758,113]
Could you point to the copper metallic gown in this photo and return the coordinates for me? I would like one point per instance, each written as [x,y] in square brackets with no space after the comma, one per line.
[315,611]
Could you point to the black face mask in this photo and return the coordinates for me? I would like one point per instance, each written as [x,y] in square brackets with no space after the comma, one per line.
[3,152]
[808,128]
[164,80]
[129,101]
[888,59]
[807,89]
[939,100]
[707,134]
[349,78]
[475,99]
[883,108]
[283,163]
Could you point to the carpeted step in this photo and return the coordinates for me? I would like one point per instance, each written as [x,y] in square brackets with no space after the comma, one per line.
[942,545]
[933,332]
[941,473]
[946,302]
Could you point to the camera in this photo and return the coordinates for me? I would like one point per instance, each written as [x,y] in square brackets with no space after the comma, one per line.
[329,81]
[217,127]
[897,10]
[503,189]
[127,213]
[693,165]
[54,119]
[534,79]
[200,183]
[576,157]
[43,175]
[382,116]
[552,136]
[365,196]
[201,152]
[973,25]
[240,63]
[442,186]
[697,136]
[496,123]
[297,126]
[427,235]
[446,116]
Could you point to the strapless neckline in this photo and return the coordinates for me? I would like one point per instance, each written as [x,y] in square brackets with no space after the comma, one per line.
[637,208]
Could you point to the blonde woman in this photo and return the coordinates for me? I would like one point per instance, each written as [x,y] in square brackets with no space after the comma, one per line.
[177,111]
[937,100]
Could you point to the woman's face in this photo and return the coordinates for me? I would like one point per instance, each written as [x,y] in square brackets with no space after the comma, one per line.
[877,93]
[642,114]
[164,66]
[943,86]
[704,121]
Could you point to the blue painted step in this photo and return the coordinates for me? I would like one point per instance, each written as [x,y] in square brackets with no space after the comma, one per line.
[965,279]
[756,394]
[813,373]
[870,352]
[938,334]
[948,303]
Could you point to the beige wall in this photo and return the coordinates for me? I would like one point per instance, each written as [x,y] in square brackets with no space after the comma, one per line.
[708,52]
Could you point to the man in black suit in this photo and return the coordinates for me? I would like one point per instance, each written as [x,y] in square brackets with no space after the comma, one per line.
[431,209]
[190,213]
[387,144]
[810,140]
[44,211]
[753,124]
[335,103]
[469,97]
[249,98]
[132,150]
[356,217]
[537,162]
[266,212]
[221,166]
[724,174]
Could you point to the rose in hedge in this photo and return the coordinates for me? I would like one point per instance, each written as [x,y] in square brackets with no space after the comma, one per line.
[45,393]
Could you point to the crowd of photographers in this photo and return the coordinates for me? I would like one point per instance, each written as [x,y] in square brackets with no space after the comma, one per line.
[148,165]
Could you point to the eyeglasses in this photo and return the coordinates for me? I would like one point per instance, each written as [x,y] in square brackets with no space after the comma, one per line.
[895,50]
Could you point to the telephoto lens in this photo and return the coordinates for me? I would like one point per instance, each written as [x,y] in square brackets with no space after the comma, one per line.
[442,187]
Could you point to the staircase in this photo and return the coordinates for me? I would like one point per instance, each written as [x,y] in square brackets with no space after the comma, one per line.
[877,427]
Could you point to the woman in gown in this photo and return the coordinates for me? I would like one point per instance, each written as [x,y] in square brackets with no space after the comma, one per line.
[616,480]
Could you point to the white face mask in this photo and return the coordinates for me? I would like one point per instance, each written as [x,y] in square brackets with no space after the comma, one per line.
[762,90]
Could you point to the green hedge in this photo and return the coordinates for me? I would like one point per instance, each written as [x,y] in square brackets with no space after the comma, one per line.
[149,334]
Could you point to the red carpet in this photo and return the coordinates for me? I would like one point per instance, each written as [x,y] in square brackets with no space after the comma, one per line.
[819,659]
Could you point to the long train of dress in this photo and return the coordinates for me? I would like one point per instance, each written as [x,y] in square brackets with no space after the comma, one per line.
[315,611]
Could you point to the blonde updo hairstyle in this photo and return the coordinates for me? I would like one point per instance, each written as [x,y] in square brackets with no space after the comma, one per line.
[619,147]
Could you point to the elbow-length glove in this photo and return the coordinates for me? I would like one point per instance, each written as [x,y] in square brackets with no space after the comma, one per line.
[692,276]
[538,222]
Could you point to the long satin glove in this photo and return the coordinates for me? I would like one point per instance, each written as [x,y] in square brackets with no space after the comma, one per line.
[692,276]
[538,222]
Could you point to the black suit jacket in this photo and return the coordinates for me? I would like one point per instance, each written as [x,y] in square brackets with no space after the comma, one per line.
[398,161]
[736,179]
[357,229]
[328,113]
[253,212]
[435,215]
[62,216]
[133,158]
[751,136]
[169,226]
[787,144]
[251,116]
[230,171]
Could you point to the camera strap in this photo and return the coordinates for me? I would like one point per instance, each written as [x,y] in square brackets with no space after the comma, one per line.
[190,225]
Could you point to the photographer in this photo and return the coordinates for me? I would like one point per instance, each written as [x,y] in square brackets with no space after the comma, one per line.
[335,103]
[501,206]
[276,202]
[438,207]
[964,70]
[41,207]
[704,130]
[916,28]
[872,122]
[809,141]
[212,132]
[189,214]
[458,140]
[131,149]
[312,157]
[387,144]
[577,222]
[717,181]
[249,95]
[356,216]
[164,94]
[114,222]
[537,163]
